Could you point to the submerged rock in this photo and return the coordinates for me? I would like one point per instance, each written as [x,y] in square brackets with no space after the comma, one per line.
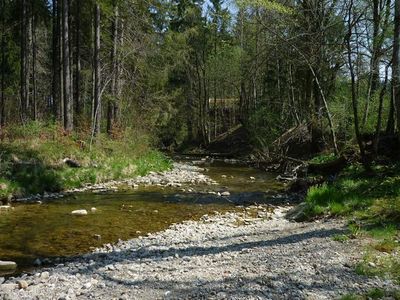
[79,212]
[7,265]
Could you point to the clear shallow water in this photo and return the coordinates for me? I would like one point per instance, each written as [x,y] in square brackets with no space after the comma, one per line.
[30,231]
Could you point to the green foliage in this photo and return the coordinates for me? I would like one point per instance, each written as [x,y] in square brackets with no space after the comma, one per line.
[262,127]
[267,4]
[323,158]
[32,159]
[375,293]
[373,205]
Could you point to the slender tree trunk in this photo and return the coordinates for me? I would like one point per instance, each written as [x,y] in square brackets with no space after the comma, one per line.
[68,113]
[396,62]
[120,43]
[34,86]
[292,95]
[77,81]
[61,81]
[114,79]
[354,99]
[55,85]
[24,78]
[380,109]
[3,63]
[96,60]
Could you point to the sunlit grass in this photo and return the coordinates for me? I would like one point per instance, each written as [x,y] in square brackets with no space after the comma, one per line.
[31,159]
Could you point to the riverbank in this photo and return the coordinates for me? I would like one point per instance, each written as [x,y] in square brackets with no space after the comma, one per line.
[242,255]
[40,160]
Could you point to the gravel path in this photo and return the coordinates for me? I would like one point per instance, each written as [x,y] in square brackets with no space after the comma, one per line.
[230,256]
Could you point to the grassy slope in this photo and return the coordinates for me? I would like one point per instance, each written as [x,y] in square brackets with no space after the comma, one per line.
[371,203]
[31,159]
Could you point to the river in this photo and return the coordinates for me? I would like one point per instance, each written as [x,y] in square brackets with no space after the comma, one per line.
[48,230]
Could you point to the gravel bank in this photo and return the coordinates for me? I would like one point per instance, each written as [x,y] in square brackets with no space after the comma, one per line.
[230,256]
[180,174]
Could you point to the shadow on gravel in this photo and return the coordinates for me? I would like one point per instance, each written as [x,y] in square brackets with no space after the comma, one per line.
[144,255]
[336,281]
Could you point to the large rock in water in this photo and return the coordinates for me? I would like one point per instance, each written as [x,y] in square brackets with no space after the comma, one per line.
[79,212]
[298,213]
[6,266]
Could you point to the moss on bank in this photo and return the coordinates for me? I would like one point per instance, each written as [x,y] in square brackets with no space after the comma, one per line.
[31,159]
[371,203]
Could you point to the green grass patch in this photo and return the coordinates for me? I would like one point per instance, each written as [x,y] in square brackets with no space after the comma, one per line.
[31,158]
[375,293]
[372,205]
[323,158]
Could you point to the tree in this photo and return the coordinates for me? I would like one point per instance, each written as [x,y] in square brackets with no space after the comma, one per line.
[67,90]
[396,61]
[97,72]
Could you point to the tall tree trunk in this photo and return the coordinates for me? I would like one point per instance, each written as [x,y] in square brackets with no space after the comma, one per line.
[3,64]
[55,84]
[118,88]
[24,78]
[396,62]
[96,61]
[61,81]
[380,109]
[68,113]
[354,98]
[34,86]
[77,81]
[114,79]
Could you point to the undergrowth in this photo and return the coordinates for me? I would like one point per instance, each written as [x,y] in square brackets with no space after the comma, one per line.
[31,158]
[371,203]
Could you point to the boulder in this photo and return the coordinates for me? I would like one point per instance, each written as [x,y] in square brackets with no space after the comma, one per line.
[7,265]
[79,212]
[298,213]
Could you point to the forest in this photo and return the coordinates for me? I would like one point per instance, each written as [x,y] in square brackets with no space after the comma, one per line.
[188,71]
[252,145]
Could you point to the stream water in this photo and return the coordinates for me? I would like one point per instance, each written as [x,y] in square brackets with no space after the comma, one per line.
[31,231]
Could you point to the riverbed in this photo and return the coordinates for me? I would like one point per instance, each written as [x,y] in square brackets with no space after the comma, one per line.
[33,233]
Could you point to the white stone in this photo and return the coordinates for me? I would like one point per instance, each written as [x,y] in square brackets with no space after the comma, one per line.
[7,265]
[79,212]
[93,209]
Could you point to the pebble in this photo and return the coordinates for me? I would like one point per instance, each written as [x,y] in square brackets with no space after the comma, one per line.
[22,284]
[45,275]
[208,259]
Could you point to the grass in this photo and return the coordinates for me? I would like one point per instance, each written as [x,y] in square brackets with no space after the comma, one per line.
[371,203]
[376,293]
[31,159]
[323,158]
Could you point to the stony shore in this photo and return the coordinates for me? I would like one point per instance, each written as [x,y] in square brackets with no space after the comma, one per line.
[231,256]
[180,174]
[252,253]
